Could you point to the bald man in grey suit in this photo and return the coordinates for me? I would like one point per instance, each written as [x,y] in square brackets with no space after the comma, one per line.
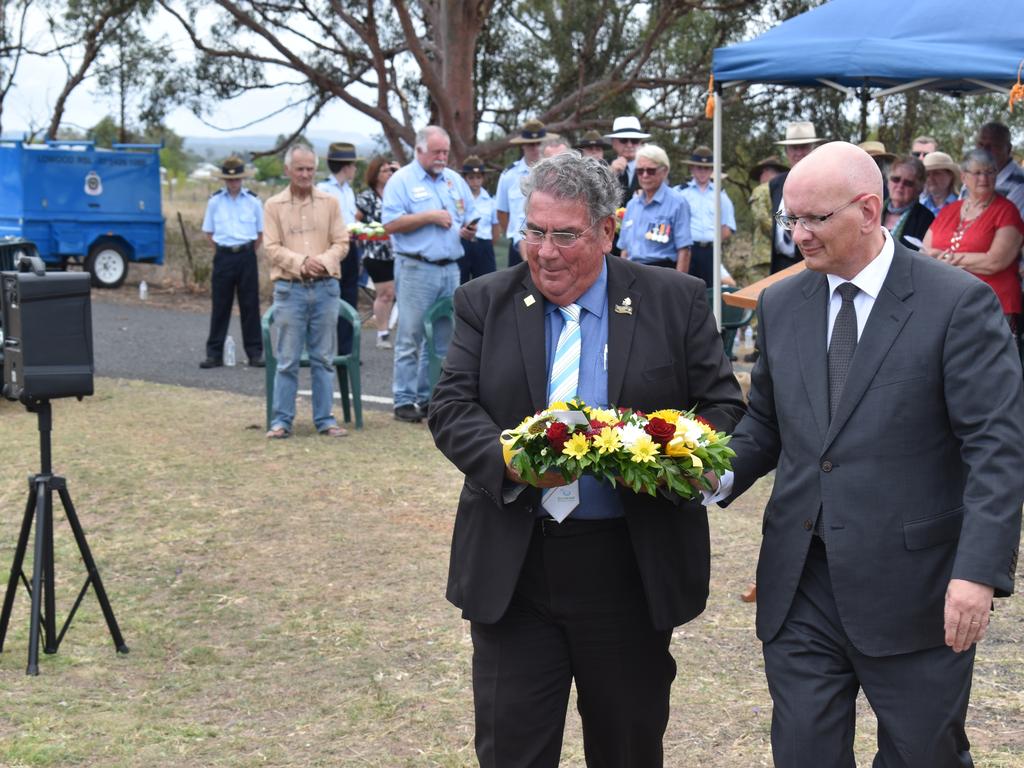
[888,399]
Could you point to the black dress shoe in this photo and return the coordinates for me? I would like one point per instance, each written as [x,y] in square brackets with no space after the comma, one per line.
[257,362]
[211,362]
[409,413]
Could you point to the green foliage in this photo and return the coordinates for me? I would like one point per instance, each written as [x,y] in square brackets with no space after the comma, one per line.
[269,167]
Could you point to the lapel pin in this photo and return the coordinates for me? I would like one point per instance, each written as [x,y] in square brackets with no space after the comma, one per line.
[626,301]
[625,308]
[529,301]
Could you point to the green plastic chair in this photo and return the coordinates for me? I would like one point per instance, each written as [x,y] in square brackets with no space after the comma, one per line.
[733,318]
[440,318]
[347,366]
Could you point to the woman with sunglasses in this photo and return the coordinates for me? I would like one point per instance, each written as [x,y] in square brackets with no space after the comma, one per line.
[903,215]
[982,234]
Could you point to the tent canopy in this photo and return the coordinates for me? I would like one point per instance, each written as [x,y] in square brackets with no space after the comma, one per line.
[947,45]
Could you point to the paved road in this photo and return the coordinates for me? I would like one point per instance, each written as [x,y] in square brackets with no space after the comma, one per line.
[142,341]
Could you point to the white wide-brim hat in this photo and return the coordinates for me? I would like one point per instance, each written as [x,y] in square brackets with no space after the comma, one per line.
[800,133]
[627,127]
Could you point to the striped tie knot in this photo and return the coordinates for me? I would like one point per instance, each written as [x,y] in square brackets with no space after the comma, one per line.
[570,313]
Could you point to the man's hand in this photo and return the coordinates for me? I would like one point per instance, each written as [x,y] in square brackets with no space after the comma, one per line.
[618,165]
[547,480]
[711,477]
[312,267]
[967,611]
[441,218]
[468,232]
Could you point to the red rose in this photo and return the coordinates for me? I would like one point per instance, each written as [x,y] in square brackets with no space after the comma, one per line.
[660,431]
[557,435]
[705,422]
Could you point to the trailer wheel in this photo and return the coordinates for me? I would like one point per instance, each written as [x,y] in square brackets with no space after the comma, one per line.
[108,265]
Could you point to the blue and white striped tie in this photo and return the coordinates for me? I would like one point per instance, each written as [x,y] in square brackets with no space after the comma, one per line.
[565,377]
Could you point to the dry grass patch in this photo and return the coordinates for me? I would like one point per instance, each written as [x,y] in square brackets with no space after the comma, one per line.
[284,606]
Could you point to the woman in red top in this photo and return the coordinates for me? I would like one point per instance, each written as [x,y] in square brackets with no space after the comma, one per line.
[982,234]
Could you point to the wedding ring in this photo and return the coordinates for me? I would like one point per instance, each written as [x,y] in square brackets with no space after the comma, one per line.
[975,621]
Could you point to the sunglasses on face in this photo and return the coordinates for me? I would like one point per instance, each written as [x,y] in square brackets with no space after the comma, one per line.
[631,141]
[905,181]
[647,171]
[919,154]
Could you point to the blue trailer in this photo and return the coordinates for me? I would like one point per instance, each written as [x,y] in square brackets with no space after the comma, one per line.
[79,203]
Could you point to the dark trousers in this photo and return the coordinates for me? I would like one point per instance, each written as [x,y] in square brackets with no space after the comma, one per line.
[477,259]
[514,257]
[350,293]
[578,612]
[702,262]
[814,674]
[235,273]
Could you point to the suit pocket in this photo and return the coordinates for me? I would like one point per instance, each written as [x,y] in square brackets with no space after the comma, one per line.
[932,531]
[660,373]
[887,378]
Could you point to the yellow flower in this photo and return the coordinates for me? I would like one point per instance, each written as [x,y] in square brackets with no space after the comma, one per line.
[604,415]
[678,448]
[559,405]
[608,441]
[666,414]
[577,446]
[643,450]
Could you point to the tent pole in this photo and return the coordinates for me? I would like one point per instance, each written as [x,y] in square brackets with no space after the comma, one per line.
[716,266]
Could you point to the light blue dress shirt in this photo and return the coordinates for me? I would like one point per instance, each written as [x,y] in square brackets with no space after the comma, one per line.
[597,498]
[233,221]
[702,211]
[412,190]
[485,209]
[346,197]
[510,200]
[655,231]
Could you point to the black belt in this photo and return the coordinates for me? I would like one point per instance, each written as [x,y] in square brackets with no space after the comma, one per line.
[703,245]
[300,281]
[236,248]
[548,526]
[438,262]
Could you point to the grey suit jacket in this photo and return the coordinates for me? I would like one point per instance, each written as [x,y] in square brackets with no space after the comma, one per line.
[665,352]
[919,477]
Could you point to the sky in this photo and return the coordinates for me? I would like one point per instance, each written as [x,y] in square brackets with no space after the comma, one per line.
[39,81]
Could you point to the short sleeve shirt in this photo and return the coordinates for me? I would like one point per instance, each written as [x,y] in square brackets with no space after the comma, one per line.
[412,190]
[655,231]
[702,211]
[233,221]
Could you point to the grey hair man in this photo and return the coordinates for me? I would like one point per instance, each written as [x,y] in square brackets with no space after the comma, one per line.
[592,599]
[995,139]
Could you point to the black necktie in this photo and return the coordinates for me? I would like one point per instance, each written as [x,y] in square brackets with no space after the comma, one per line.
[842,346]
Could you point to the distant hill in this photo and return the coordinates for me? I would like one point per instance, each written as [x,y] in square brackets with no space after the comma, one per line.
[217,147]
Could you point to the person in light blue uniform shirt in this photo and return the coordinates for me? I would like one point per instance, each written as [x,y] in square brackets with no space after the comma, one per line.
[509,200]
[656,225]
[341,162]
[427,208]
[699,192]
[234,224]
[478,254]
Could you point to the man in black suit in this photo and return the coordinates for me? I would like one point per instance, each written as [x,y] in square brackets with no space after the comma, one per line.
[888,399]
[800,140]
[595,598]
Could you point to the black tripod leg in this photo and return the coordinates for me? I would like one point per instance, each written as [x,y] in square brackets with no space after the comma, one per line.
[37,579]
[19,559]
[49,581]
[94,572]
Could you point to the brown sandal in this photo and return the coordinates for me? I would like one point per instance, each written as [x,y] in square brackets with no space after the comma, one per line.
[335,431]
[278,433]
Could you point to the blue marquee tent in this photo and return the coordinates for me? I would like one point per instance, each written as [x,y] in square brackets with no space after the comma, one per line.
[857,45]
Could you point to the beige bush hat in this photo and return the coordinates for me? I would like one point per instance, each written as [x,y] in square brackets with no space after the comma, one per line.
[940,161]
[877,150]
[800,133]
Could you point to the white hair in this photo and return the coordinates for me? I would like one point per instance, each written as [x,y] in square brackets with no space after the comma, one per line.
[295,148]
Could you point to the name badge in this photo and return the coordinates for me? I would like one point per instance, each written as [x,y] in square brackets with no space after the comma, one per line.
[420,193]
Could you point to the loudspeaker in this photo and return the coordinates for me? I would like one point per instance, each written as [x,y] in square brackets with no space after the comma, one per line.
[47,324]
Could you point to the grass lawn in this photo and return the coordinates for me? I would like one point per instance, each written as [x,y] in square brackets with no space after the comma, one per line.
[284,603]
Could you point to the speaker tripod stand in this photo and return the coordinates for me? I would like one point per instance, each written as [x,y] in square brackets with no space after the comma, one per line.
[39,509]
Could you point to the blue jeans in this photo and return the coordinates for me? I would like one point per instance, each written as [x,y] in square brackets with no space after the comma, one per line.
[419,286]
[306,316]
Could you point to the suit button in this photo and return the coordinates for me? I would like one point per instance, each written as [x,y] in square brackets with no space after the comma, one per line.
[826,466]
[808,525]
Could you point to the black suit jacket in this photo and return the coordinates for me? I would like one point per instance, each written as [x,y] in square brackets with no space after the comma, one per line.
[918,478]
[666,353]
[780,261]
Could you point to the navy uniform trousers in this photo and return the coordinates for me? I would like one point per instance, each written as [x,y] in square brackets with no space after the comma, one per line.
[235,271]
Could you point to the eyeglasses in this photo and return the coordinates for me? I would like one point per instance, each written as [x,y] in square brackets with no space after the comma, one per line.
[905,181]
[976,174]
[811,223]
[631,141]
[648,171]
[560,239]
[918,154]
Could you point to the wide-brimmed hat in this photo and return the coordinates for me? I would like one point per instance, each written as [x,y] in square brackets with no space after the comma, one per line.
[877,150]
[342,152]
[473,164]
[702,157]
[772,161]
[233,168]
[532,132]
[801,132]
[592,139]
[626,127]
[940,161]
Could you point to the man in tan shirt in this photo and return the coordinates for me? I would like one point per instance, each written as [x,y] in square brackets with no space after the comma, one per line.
[305,238]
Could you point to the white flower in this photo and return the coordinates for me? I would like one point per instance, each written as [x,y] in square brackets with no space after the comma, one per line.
[689,430]
[630,433]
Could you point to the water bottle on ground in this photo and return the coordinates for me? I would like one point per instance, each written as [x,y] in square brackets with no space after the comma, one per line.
[143,291]
[229,352]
